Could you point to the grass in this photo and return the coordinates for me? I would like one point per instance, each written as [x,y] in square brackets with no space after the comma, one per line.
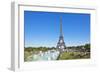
[27,54]
[74,55]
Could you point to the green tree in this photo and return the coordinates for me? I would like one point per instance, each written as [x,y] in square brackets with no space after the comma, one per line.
[87,47]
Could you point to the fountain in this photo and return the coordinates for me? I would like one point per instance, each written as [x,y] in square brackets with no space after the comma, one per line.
[48,55]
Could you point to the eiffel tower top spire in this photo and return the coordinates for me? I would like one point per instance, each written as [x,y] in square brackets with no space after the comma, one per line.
[61,34]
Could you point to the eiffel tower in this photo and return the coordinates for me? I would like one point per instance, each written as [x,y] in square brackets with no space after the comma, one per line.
[61,44]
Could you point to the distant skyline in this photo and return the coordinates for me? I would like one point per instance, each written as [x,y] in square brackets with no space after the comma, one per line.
[43,28]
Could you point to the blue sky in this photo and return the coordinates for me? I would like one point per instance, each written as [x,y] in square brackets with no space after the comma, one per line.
[42,28]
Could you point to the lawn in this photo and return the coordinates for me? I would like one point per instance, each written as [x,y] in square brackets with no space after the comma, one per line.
[74,55]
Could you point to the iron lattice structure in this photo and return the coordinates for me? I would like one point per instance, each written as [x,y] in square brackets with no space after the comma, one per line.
[61,44]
